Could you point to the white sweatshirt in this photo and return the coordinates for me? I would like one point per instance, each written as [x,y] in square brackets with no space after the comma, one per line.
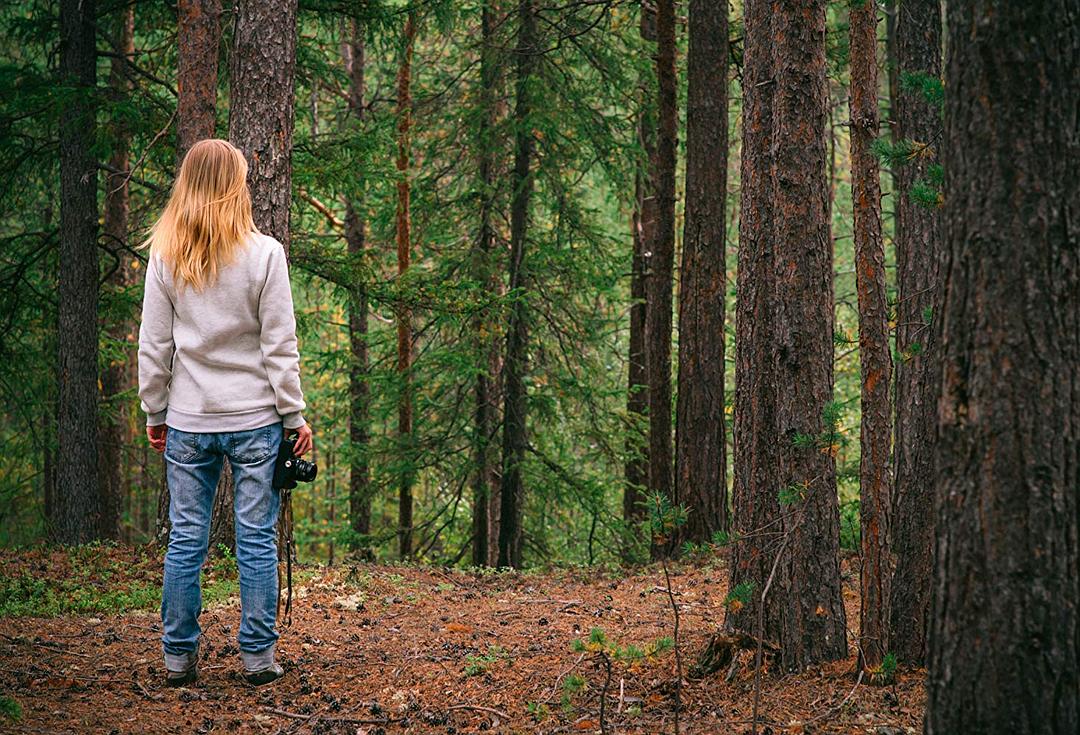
[225,358]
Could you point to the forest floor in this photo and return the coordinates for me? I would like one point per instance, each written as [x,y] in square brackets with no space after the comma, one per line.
[396,649]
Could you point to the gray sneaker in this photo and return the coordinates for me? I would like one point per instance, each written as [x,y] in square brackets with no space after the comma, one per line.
[181,678]
[264,676]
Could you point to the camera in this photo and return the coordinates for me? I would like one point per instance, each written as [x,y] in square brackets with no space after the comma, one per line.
[290,469]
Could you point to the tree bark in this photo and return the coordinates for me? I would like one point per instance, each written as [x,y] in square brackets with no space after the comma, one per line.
[756,520]
[515,440]
[700,442]
[1005,625]
[402,231]
[918,256]
[76,503]
[643,233]
[483,482]
[874,357]
[660,262]
[262,106]
[360,487]
[116,376]
[198,43]
[813,625]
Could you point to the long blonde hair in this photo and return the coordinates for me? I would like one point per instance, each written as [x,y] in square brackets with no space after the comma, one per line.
[208,216]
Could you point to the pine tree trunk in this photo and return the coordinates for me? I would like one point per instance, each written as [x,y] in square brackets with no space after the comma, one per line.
[76,503]
[918,256]
[198,43]
[515,441]
[404,316]
[660,262]
[756,512]
[262,107]
[115,377]
[360,489]
[700,443]
[643,232]
[874,356]
[813,625]
[483,480]
[1005,622]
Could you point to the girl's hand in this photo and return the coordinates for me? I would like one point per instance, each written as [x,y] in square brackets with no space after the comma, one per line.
[156,435]
[304,441]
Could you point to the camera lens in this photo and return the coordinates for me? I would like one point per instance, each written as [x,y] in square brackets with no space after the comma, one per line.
[305,471]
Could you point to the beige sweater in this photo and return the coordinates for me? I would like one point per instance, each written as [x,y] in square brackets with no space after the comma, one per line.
[225,358]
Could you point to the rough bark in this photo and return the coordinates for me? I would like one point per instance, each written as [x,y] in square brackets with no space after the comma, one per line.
[813,626]
[483,481]
[756,512]
[262,106]
[75,519]
[875,433]
[198,43]
[659,263]
[1005,623]
[918,254]
[116,376]
[700,442]
[515,440]
[643,232]
[360,487]
[402,234]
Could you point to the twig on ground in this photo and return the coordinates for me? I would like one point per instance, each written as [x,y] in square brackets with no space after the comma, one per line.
[479,708]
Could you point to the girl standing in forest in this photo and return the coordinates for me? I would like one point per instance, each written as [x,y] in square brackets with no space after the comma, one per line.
[219,377]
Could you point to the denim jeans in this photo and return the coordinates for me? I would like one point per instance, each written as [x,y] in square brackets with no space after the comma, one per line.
[193,467]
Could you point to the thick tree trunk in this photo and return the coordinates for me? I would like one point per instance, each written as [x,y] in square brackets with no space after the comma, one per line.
[1005,624]
[116,376]
[198,43]
[918,256]
[75,519]
[660,262]
[643,233]
[262,106]
[874,356]
[700,442]
[360,488]
[756,519]
[483,481]
[813,625]
[402,229]
[515,441]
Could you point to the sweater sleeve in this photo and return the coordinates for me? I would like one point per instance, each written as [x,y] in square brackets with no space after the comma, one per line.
[280,354]
[155,345]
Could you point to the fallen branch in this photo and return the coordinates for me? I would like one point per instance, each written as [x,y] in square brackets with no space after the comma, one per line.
[479,708]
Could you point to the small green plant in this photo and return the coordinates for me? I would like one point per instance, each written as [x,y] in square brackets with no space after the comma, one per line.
[10,709]
[538,710]
[478,665]
[792,494]
[932,88]
[885,672]
[739,596]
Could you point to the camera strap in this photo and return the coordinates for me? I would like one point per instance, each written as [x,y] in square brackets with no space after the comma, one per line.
[285,545]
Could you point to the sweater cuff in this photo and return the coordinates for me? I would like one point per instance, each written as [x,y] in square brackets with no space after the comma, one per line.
[293,420]
[156,419]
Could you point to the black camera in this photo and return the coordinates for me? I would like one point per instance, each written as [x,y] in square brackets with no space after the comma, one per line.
[290,469]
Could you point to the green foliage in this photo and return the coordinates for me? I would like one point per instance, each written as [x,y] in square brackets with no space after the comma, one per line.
[475,665]
[930,87]
[893,154]
[739,596]
[926,194]
[885,673]
[10,709]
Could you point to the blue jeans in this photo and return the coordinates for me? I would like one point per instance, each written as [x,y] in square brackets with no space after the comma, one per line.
[193,467]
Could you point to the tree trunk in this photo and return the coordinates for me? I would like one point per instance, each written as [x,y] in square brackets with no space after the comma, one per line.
[756,537]
[660,263]
[874,357]
[515,441]
[700,443]
[643,232]
[262,107]
[116,377]
[360,488]
[918,256]
[813,625]
[1005,625]
[76,503]
[198,43]
[484,416]
[404,316]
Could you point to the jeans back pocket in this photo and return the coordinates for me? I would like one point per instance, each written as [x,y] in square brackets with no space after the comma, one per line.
[181,446]
[254,446]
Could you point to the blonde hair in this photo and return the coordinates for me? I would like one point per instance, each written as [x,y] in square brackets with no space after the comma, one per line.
[208,216]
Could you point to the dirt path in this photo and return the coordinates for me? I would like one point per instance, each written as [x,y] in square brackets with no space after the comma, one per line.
[376,649]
